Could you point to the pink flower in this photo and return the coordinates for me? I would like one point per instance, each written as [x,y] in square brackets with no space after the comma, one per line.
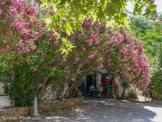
[77,59]
[128,68]
[93,34]
[43,54]
[62,21]
[92,56]
[100,66]
[95,51]
[4,61]
[90,44]
[12,1]
[4,41]
[35,69]
[11,66]
[1,11]
[111,40]
[33,47]
[96,37]
[118,36]
[4,2]
[17,3]
[125,51]
[135,70]
[73,79]
[57,41]
[43,24]
[97,42]
[84,49]
[135,85]
[100,59]
[96,23]
[130,43]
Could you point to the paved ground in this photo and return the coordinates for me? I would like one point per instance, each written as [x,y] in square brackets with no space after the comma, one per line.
[107,110]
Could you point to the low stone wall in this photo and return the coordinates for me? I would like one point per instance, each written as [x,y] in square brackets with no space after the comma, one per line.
[42,107]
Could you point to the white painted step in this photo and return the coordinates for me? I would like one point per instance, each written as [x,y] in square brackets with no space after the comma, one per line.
[142,98]
[4,101]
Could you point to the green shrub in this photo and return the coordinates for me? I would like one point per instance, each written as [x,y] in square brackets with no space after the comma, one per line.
[132,95]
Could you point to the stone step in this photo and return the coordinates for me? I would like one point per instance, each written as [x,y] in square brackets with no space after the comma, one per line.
[4,101]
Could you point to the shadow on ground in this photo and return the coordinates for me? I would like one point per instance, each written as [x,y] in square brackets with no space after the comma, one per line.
[107,110]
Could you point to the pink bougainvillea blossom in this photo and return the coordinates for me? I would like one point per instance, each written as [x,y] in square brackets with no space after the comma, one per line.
[100,59]
[95,51]
[111,41]
[92,56]
[11,66]
[33,47]
[100,66]
[4,41]
[1,11]
[73,79]
[102,50]
[35,69]
[128,68]
[77,59]
[57,41]
[97,42]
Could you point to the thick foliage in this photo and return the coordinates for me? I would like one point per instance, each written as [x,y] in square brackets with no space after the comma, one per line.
[110,10]
[95,47]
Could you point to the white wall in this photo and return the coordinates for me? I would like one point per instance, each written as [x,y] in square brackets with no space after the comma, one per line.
[1,89]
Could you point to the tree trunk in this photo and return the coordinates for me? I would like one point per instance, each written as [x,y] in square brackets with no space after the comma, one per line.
[123,93]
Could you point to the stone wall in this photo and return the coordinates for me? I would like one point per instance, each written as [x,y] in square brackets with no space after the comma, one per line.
[42,107]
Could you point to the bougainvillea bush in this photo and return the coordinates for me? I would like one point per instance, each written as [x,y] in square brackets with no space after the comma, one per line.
[20,29]
[112,49]
[26,46]
[98,47]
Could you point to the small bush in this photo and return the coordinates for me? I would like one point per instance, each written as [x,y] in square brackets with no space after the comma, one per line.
[132,94]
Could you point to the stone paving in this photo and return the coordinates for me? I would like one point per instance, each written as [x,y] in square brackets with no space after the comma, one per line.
[107,110]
